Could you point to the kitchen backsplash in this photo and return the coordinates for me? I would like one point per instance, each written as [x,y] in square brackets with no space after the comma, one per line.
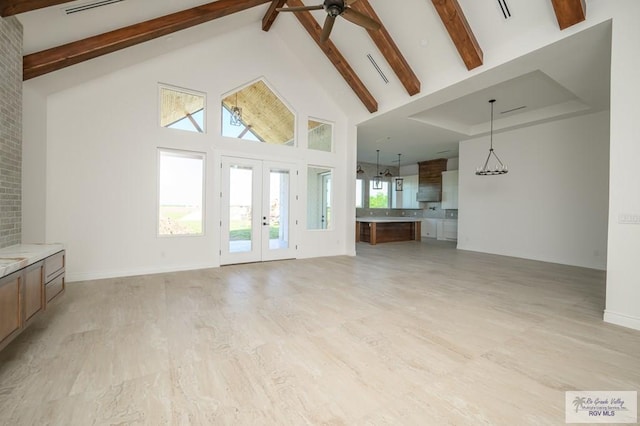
[432,210]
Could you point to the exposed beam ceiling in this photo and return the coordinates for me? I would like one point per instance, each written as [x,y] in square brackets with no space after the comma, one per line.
[272,14]
[460,32]
[569,12]
[13,7]
[53,59]
[313,28]
[389,49]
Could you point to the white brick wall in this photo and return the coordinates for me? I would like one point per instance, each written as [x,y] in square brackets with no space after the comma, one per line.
[10,131]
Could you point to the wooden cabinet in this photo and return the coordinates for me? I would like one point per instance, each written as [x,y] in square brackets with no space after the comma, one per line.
[450,190]
[10,307]
[33,290]
[54,275]
[430,179]
[24,294]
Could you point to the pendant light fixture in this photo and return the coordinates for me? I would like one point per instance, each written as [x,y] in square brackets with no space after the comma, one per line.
[486,169]
[399,180]
[236,114]
[377,180]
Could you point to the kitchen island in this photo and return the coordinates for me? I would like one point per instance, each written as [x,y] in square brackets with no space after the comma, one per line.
[374,230]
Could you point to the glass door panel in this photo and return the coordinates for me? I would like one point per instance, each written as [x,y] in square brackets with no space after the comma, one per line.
[256,211]
[240,209]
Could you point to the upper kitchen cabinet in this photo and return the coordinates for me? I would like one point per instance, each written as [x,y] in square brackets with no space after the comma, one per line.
[410,188]
[450,190]
[430,180]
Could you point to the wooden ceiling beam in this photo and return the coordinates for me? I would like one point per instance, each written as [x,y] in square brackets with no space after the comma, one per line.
[272,14]
[460,32]
[56,58]
[333,54]
[569,12]
[13,7]
[389,49]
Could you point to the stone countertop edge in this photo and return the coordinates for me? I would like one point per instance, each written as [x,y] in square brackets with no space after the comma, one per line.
[16,257]
[388,219]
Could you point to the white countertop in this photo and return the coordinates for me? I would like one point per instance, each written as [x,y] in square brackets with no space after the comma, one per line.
[14,258]
[388,219]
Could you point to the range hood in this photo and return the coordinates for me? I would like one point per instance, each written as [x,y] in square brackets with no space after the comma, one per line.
[428,195]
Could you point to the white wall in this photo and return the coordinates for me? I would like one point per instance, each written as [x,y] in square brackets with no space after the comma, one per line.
[101,156]
[34,166]
[552,205]
[623,269]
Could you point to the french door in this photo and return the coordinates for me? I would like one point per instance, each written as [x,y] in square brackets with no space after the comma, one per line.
[257,200]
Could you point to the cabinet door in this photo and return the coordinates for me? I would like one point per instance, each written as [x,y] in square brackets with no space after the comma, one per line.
[33,290]
[409,190]
[10,314]
[450,190]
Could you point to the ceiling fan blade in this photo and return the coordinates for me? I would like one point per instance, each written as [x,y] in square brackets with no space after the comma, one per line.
[350,2]
[360,19]
[299,8]
[326,29]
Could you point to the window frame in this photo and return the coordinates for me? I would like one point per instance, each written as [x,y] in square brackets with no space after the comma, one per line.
[184,154]
[333,130]
[205,108]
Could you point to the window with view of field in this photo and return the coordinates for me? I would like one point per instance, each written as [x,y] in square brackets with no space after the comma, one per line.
[180,192]
[379,198]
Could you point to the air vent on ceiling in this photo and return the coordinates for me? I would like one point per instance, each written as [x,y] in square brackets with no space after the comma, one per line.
[375,65]
[505,9]
[89,6]
[513,109]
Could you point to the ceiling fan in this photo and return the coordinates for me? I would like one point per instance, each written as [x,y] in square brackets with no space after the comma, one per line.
[335,8]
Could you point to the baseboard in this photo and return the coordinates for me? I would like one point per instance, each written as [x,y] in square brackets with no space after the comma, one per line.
[89,276]
[621,319]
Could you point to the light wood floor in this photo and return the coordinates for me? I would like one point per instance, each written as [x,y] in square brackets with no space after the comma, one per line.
[413,333]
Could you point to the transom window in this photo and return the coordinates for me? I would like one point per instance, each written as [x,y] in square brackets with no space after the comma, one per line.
[182,109]
[320,135]
[256,113]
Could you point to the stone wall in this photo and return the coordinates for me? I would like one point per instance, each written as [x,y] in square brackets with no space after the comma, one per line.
[10,131]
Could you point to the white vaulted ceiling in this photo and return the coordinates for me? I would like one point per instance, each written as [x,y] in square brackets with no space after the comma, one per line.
[567,78]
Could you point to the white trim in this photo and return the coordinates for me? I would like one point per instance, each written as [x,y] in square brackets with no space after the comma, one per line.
[622,319]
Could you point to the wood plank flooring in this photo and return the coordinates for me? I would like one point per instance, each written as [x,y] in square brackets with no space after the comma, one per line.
[411,333]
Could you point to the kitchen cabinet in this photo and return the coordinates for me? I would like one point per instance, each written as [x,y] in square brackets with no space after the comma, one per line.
[409,189]
[430,179]
[450,190]
[10,309]
[430,228]
[448,229]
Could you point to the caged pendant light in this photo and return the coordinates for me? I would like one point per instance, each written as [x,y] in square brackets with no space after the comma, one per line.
[399,180]
[486,169]
[377,180]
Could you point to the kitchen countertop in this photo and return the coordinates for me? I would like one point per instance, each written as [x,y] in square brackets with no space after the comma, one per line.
[16,257]
[388,219]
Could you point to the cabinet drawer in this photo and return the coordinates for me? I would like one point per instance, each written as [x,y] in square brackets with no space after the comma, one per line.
[55,287]
[53,265]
